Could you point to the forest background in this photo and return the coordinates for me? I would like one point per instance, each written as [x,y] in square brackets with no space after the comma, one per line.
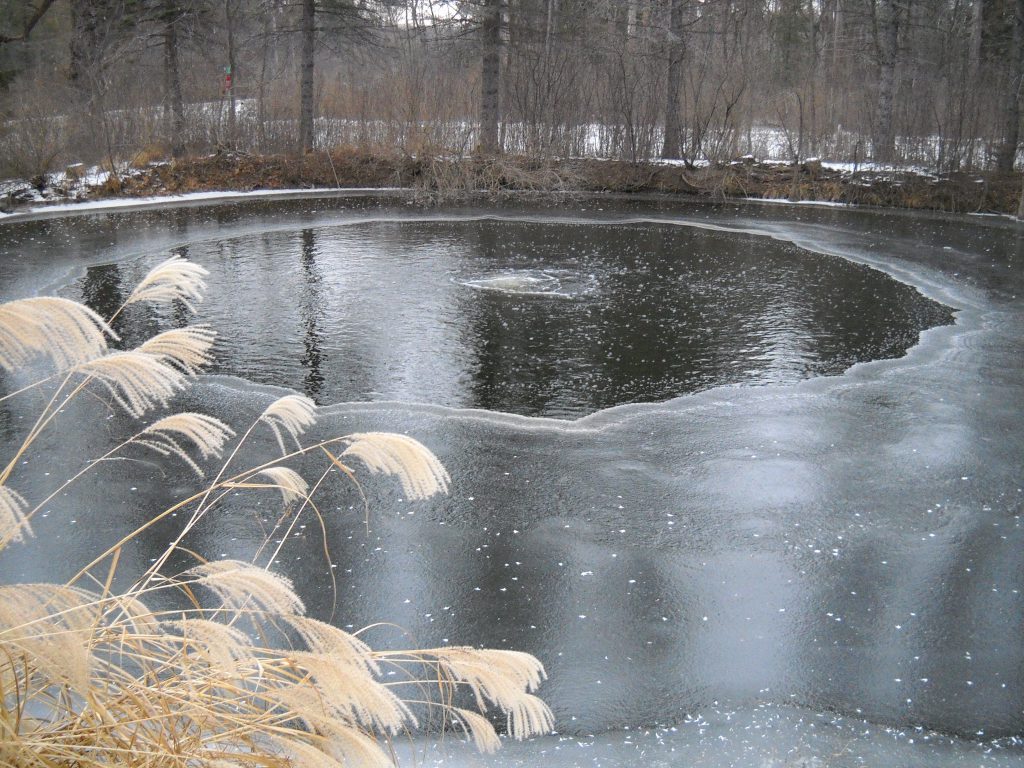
[929,85]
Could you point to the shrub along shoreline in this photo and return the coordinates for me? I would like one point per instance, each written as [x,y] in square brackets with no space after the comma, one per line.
[443,179]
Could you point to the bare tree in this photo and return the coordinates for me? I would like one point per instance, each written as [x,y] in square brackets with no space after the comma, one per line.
[672,145]
[1012,97]
[173,99]
[306,112]
[887,29]
[490,78]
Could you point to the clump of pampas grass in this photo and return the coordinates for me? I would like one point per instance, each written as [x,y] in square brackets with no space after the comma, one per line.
[91,677]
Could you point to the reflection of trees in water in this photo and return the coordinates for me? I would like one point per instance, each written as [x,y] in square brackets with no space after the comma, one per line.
[180,316]
[526,349]
[632,339]
[104,292]
[106,287]
[312,316]
[514,368]
[7,429]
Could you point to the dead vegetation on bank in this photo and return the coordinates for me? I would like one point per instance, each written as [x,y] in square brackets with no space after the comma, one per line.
[443,179]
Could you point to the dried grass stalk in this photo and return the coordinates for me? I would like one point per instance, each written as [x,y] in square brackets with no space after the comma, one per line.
[290,415]
[205,433]
[137,381]
[292,485]
[175,279]
[346,692]
[479,729]
[14,525]
[91,679]
[49,626]
[240,585]
[420,472]
[65,331]
[188,349]
[502,678]
[220,646]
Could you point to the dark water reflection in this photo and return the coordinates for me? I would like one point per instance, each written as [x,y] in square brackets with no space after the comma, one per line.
[538,319]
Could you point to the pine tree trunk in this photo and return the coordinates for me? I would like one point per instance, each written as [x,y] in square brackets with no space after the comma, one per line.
[172,86]
[232,107]
[549,29]
[490,79]
[1011,99]
[977,28]
[888,51]
[671,147]
[306,97]
[261,92]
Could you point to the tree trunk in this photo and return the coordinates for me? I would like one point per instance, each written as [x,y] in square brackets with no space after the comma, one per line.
[1011,99]
[490,78]
[83,46]
[306,90]
[172,85]
[977,27]
[671,148]
[29,24]
[549,29]
[888,53]
[261,92]
[229,18]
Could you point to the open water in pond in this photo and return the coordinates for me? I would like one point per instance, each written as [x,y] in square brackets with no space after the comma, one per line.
[539,319]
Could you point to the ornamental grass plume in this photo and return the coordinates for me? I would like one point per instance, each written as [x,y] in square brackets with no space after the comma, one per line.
[175,279]
[64,331]
[91,676]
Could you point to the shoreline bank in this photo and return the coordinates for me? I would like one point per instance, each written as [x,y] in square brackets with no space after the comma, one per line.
[441,180]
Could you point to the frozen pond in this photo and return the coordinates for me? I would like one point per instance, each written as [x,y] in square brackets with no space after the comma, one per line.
[780,569]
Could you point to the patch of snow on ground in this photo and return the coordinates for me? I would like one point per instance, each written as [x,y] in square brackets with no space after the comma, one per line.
[147,202]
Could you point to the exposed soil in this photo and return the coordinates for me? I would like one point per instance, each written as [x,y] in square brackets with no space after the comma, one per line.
[443,179]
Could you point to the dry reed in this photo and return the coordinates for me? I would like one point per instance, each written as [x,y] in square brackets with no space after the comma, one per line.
[91,677]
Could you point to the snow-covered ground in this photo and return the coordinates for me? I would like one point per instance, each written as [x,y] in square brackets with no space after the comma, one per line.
[162,200]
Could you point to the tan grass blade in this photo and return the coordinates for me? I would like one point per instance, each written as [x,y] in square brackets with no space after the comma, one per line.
[22,605]
[421,473]
[348,692]
[65,331]
[127,612]
[241,586]
[289,415]
[51,626]
[479,729]
[185,348]
[292,485]
[528,716]
[137,381]
[332,642]
[220,645]
[354,747]
[14,526]
[503,678]
[175,279]
[302,754]
[205,433]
